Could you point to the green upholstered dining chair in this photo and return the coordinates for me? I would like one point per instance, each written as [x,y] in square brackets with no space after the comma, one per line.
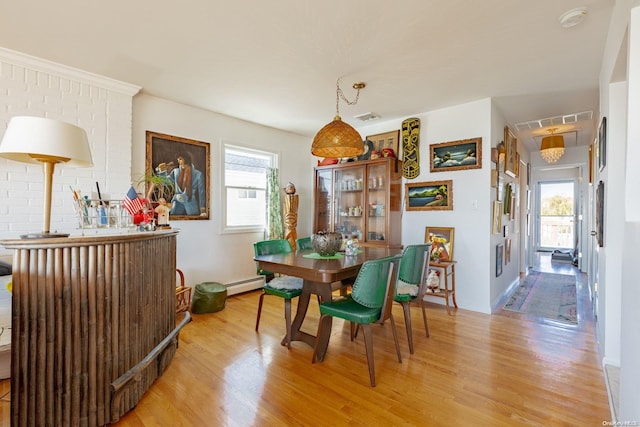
[285,287]
[411,284]
[304,243]
[370,301]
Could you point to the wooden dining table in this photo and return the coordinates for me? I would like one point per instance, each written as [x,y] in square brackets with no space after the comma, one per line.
[318,274]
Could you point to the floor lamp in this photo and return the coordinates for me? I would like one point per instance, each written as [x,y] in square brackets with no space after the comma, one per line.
[47,142]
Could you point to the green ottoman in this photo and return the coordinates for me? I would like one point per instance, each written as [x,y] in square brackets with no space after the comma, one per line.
[208,297]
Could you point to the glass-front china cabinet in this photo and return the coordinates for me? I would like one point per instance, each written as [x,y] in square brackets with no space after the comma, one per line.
[361,200]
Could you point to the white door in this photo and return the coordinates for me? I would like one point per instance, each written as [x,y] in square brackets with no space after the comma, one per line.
[556,216]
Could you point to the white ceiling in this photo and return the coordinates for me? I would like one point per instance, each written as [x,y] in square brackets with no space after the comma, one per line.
[276,62]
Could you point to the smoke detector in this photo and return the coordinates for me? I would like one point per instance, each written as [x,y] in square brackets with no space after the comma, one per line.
[572,17]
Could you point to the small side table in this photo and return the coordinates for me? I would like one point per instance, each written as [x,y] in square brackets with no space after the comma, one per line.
[448,274]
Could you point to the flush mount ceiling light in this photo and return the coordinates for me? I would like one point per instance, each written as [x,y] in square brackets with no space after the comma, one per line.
[572,17]
[338,139]
[552,147]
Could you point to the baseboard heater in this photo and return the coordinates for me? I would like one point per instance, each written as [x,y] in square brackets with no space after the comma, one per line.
[245,285]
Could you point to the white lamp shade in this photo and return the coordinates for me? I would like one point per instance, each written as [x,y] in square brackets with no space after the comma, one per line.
[27,138]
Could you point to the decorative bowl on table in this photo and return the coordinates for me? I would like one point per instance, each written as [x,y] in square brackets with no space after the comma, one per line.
[326,243]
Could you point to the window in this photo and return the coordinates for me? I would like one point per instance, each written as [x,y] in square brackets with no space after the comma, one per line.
[245,187]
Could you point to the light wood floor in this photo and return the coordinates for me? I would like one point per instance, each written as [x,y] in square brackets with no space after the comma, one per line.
[504,369]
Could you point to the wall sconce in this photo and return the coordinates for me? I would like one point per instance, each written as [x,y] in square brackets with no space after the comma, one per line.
[47,142]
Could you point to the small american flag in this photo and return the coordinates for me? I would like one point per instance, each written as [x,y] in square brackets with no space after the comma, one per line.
[132,203]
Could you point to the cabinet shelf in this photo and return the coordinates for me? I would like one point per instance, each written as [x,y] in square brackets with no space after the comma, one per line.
[386,196]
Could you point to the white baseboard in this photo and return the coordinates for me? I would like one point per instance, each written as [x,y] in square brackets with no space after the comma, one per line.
[612,381]
[245,285]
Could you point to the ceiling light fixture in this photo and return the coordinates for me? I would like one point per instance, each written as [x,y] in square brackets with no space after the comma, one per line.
[552,147]
[338,139]
[572,17]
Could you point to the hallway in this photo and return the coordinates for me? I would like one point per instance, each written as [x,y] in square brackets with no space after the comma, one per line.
[543,263]
[564,334]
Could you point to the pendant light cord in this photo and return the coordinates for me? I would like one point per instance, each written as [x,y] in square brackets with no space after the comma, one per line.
[340,94]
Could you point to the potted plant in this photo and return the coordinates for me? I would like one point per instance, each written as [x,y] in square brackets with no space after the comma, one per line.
[157,187]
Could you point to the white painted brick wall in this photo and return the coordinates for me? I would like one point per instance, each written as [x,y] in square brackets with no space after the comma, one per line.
[101,106]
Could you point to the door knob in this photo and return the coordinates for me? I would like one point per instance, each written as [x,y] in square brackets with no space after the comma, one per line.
[593,233]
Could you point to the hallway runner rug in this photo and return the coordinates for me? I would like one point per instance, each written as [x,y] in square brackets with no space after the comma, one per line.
[548,295]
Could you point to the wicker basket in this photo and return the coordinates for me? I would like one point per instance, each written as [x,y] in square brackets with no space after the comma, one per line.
[183,294]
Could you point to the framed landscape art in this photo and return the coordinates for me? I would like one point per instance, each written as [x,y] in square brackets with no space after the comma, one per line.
[429,196]
[456,155]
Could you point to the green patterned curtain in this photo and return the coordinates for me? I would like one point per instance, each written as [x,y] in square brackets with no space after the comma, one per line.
[274,219]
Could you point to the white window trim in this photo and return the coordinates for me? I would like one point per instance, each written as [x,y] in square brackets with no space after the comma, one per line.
[223,193]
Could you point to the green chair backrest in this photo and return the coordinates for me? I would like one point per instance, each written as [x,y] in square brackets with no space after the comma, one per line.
[412,264]
[304,243]
[270,247]
[374,281]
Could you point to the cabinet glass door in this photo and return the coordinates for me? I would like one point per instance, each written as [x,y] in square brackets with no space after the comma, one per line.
[324,187]
[349,197]
[376,211]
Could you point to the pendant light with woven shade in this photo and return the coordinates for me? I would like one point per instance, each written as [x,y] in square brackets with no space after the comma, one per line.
[338,139]
[552,147]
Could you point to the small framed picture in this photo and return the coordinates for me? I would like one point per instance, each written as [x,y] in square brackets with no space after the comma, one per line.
[497,217]
[602,144]
[441,239]
[499,258]
[384,141]
[511,156]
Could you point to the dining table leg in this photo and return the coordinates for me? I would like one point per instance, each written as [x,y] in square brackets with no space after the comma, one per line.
[323,290]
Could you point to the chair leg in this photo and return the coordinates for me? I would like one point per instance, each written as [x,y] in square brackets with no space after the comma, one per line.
[395,338]
[406,308]
[354,329]
[368,344]
[424,318]
[287,319]
[259,310]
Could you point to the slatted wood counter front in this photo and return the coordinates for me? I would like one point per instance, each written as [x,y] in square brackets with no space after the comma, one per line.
[93,325]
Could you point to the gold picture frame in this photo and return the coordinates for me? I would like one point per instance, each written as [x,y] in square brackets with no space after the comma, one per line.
[429,196]
[441,239]
[497,217]
[456,155]
[387,140]
[162,153]
[511,153]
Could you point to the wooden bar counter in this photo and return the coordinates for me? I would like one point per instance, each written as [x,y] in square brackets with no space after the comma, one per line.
[93,325]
